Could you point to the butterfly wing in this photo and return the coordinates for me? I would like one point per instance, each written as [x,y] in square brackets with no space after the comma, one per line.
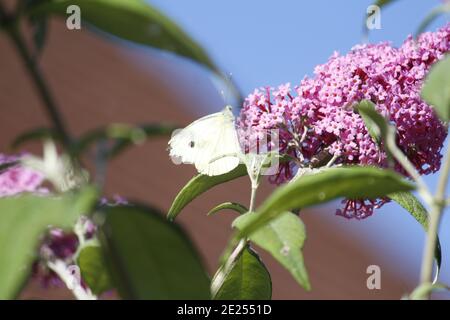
[210,143]
[185,143]
[220,155]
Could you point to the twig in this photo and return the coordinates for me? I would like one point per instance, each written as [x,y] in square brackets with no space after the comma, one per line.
[2,13]
[39,81]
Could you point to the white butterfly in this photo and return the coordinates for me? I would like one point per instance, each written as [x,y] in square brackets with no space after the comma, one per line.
[210,143]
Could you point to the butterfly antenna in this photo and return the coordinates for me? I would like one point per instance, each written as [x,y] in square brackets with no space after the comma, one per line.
[226,93]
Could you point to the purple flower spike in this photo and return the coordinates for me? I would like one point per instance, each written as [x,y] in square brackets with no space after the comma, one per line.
[321,110]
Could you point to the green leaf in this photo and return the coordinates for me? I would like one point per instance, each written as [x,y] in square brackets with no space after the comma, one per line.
[383,3]
[411,204]
[375,123]
[436,90]
[133,20]
[239,208]
[113,131]
[330,184]
[148,130]
[199,185]
[378,127]
[246,279]
[23,220]
[93,269]
[36,134]
[150,258]
[433,15]
[422,291]
[123,135]
[283,238]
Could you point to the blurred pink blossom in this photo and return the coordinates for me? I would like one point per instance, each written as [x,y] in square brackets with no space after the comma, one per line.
[17,179]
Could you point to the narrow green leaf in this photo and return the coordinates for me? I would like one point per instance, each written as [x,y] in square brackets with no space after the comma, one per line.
[199,185]
[433,15]
[247,279]
[148,130]
[23,220]
[422,291]
[378,127]
[283,238]
[383,3]
[123,135]
[93,270]
[348,182]
[150,258]
[113,131]
[36,134]
[411,204]
[133,20]
[239,208]
[436,90]
[375,123]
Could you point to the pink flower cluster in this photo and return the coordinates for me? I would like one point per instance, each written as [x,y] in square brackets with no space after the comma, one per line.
[17,179]
[61,245]
[318,116]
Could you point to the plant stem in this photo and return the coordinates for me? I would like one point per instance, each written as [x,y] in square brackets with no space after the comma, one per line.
[2,14]
[39,82]
[254,170]
[252,198]
[236,246]
[71,280]
[422,290]
[435,218]
[101,163]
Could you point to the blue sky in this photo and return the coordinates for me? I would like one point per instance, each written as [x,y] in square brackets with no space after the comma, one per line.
[272,42]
